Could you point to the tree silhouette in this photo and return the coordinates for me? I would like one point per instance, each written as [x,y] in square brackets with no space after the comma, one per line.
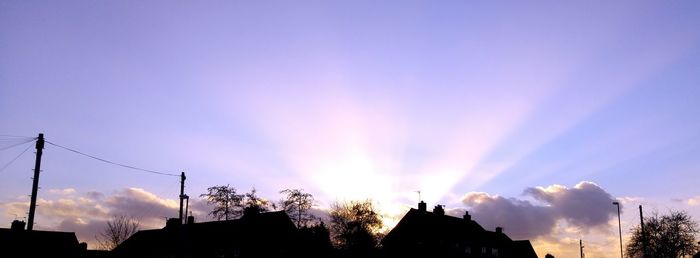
[256,204]
[355,226]
[297,204]
[119,228]
[227,203]
[670,235]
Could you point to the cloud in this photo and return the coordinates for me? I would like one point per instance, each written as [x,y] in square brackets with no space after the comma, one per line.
[66,191]
[85,230]
[86,214]
[629,200]
[585,206]
[695,201]
[141,204]
[521,218]
[94,195]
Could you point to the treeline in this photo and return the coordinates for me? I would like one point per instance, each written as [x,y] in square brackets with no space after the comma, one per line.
[352,227]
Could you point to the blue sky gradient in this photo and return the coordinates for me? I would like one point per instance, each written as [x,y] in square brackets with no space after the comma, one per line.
[356,99]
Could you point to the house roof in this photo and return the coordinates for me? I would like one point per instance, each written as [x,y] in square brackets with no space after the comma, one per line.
[418,224]
[37,242]
[434,231]
[524,248]
[210,236]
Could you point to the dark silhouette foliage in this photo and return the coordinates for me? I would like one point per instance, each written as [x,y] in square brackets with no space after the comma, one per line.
[119,228]
[227,203]
[316,240]
[355,226]
[251,202]
[297,204]
[671,235]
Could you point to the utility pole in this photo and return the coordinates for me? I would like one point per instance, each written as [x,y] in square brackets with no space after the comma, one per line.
[644,235]
[187,207]
[580,246]
[35,183]
[619,225]
[182,192]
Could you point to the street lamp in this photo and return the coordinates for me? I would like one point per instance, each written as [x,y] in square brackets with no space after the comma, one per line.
[619,224]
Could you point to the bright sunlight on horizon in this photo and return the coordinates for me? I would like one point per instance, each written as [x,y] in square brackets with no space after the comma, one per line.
[530,117]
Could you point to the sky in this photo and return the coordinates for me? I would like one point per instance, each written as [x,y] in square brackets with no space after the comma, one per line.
[532,116]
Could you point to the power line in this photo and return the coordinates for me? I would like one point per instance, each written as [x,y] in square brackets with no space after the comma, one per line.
[111,162]
[15,142]
[15,136]
[13,160]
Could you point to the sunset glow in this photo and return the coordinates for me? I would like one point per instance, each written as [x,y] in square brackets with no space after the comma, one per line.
[510,111]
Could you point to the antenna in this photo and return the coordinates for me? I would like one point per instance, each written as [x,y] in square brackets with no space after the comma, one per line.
[419,199]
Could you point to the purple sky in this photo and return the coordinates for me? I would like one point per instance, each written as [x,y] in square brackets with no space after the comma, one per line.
[464,101]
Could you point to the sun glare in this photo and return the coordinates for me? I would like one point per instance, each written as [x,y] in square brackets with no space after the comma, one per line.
[353,177]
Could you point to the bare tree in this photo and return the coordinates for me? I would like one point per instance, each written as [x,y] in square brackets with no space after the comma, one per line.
[297,204]
[227,203]
[119,228]
[670,235]
[252,202]
[355,226]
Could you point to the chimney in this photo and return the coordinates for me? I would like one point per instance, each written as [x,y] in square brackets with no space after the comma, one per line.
[17,225]
[439,210]
[190,219]
[422,206]
[499,230]
[466,216]
[172,223]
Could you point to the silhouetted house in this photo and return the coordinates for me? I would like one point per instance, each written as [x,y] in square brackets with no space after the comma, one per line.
[270,234]
[523,247]
[433,234]
[18,242]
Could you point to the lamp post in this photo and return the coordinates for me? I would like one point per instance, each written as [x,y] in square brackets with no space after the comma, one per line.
[619,224]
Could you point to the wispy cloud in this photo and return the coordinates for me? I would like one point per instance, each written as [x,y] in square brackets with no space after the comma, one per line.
[66,191]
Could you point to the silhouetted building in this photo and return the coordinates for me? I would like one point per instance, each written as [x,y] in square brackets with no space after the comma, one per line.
[270,234]
[421,233]
[18,242]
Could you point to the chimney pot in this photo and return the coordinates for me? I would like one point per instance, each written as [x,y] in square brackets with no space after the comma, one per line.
[467,217]
[422,206]
[439,210]
[17,225]
[499,230]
